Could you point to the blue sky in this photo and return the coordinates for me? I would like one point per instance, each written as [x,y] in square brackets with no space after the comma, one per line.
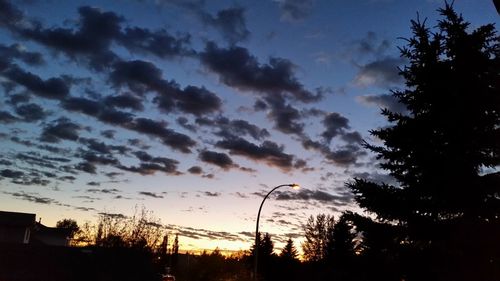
[194,109]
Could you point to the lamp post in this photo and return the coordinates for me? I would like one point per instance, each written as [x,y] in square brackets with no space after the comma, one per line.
[256,247]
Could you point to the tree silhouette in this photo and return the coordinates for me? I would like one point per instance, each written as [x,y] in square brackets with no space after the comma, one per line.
[69,224]
[289,253]
[443,152]
[340,246]
[316,237]
[267,257]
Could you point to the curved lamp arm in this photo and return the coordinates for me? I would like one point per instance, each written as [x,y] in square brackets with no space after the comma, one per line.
[256,246]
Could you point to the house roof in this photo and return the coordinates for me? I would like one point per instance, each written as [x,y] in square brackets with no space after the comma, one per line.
[16,219]
[55,231]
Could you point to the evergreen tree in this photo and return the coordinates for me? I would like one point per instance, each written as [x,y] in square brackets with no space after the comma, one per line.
[340,247]
[175,252]
[289,252]
[267,257]
[443,152]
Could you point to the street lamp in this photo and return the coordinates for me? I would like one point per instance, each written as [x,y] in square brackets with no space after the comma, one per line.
[256,247]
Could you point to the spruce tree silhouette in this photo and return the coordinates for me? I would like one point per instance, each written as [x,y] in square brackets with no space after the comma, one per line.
[340,248]
[444,153]
[267,257]
[289,252]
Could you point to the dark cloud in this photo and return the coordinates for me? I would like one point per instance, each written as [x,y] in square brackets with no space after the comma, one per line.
[7,118]
[115,117]
[100,147]
[352,138]
[240,195]
[15,99]
[287,118]
[150,194]
[31,112]
[159,43]
[260,105]
[198,233]
[383,101]
[60,129]
[146,126]
[90,40]
[195,170]
[197,101]
[345,155]
[230,22]
[212,194]
[110,134]
[93,183]
[138,143]
[82,105]
[98,159]
[184,122]
[141,76]
[86,167]
[35,198]
[113,175]
[52,88]
[275,82]
[316,195]
[268,152]
[103,191]
[383,72]
[170,165]
[33,158]
[175,140]
[219,159]
[295,10]
[237,68]
[371,45]
[124,101]
[335,124]
[67,178]
[5,162]
[247,170]
[230,128]
[17,51]
[10,15]
[152,165]
[8,173]
[113,215]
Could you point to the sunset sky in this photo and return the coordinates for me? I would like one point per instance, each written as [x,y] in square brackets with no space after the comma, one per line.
[195,109]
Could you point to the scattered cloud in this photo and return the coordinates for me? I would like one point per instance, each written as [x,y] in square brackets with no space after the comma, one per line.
[295,10]
[383,73]
[335,124]
[237,68]
[383,101]
[212,194]
[230,22]
[60,129]
[268,152]
[219,159]
[150,194]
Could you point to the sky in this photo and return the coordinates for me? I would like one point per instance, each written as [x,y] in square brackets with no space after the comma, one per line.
[196,109]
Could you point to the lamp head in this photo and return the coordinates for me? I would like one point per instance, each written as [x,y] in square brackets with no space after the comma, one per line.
[295,186]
